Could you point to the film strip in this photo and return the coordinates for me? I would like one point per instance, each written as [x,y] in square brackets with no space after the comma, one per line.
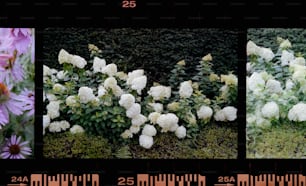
[160,180]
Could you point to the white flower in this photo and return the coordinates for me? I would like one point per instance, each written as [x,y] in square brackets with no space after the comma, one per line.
[160,92]
[133,111]
[186,89]
[298,61]
[157,107]
[256,82]
[180,132]
[167,121]
[139,83]
[274,86]
[53,109]
[110,83]
[64,57]
[229,79]
[76,129]
[289,84]
[220,116]
[139,120]
[263,123]
[101,91]
[46,122]
[204,112]
[149,130]
[78,61]
[51,97]
[127,134]
[71,101]
[126,100]
[266,54]
[121,75]
[146,141]
[110,69]
[252,48]
[153,117]
[134,129]
[58,126]
[117,91]
[46,71]
[270,110]
[249,67]
[230,113]
[134,74]
[286,57]
[58,88]
[299,75]
[98,64]
[285,44]
[297,112]
[86,94]
[62,75]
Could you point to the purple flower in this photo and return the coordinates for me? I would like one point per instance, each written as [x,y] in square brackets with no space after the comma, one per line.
[28,96]
[15,148]
[9,102]
[10,68]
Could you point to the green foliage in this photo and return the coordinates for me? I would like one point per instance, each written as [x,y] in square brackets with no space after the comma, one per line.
[281,141]
[67,145]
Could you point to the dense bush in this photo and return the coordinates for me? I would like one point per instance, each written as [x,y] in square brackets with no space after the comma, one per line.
[154,50]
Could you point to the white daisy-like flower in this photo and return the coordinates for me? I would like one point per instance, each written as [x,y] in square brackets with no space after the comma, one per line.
[146,141]
[76,129]
[270,110]
[149,130]
[181,132]
[86,94]
[186,89]
[98,64]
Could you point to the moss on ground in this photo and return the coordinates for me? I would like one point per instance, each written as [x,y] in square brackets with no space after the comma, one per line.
[80,146]
[215,141]
[284,142]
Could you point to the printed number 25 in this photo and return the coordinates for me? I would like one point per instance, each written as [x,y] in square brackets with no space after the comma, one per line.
[125,181]
[128,4]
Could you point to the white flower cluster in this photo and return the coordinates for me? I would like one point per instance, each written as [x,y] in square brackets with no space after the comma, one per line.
[65,57]
[137,80]
[160,92]
[273,89]
[228,113]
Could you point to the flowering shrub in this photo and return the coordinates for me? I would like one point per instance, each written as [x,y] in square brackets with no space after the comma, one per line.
[276,87]
[16,92]
[95,97]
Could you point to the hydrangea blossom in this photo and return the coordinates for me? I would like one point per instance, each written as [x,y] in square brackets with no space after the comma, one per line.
[149,130]
[98,64]
[133,111]
[153,116]
[297,112]
[76,129]
[270,110]
[86,94]
[145,141]
[53,109]
[186,89]
[126,100]
[110,69]
[205,112]
[139,83]
[160,92]
[181,132]
[58,126]
[168,122]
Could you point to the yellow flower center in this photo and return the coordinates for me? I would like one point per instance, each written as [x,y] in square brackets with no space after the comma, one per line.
[4,93]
